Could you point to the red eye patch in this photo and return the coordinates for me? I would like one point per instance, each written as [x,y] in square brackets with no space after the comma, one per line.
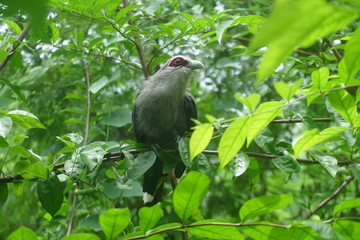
[178,61]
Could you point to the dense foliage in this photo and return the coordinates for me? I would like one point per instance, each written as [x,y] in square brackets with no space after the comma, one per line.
[274,155]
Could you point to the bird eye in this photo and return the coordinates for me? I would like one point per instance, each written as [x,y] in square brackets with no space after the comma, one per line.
[177,62]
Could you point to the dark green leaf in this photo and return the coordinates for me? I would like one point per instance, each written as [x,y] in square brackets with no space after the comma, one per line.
[50,194]
[355,169]
[142,163]
[3,193]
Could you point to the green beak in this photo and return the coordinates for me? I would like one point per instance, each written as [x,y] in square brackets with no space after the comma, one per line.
[195,65]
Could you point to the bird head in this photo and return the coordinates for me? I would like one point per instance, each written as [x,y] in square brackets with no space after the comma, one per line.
[176,71]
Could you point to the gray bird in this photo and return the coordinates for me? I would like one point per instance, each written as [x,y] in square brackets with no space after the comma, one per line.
[162,113]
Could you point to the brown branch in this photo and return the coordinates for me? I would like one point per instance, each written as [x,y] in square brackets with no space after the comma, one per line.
[139,46]
[88,101]
[335,51]
[332,196]
[20,38]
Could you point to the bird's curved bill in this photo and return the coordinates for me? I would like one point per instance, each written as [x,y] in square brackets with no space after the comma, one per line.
[196,65]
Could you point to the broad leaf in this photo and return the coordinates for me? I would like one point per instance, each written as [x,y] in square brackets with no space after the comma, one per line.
[311,138]
[189,194]
[114,221]
[82,236]
[250,101]
[286,164]
[345,205]
[262,205]
[142,163]
[262,117]
[344,104]
[297,23]
[329,163]
[287,91]
[319,79]
[200,139]
[213,231]
[149,216]
[22,233]
[232,140]
[118,118]
[37,169]
[25,119]
[3,193]
[350,230]
[50,194]
[5,126]
[239,164]
[350,64]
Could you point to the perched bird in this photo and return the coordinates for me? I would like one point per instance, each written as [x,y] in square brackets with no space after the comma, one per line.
[162,113]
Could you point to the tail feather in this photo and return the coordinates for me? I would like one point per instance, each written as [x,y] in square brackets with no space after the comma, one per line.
[153,183]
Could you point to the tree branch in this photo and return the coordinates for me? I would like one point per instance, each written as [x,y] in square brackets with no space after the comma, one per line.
[20,38]
[332,196]
[335,51]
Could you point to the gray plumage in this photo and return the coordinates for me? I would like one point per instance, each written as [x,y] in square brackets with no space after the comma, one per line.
[163,110]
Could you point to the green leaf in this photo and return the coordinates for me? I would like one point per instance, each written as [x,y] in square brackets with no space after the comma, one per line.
[213,231]
[286,164]
[200,139]
[22,233]
[344,104]
[50,194]
[319,79]
[239,164]
[5,126]
[262,117]
[3,193]
[221,29]
[311,138]
[82,236]
[92,155]
[37,169]
[287,91]
[142,163]
[189,194]
[25,119]
[3,54]
[55,32]
[118,118]
[250,19]
[329,163]
[324,230]
[99,84]
[262,205]
[250,101]
[232,140]
[125,10]
[355,169]
[345,205]
[149,216]
[114,221]
[350,64]
[297,23]
[14,26]
[14,87]
[350,230]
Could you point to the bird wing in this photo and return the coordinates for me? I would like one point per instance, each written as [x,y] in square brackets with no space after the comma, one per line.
[190,110]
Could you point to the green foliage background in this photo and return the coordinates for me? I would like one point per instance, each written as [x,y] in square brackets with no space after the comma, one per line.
[278,119]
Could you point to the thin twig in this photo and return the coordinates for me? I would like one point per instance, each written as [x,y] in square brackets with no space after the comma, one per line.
[184,227]
[332,196]
[88,102]
[20,38]
[335,51]
[72,216]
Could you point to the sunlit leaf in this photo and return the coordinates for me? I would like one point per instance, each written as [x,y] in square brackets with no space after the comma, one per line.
[313,137]
[347,228]
[114,221]
[329,163]
[262,205]
[345,205]
[189,194]
[232,140]
[22,233]
[213,231]
[344,104]
[25,119]
[149,216]
[5,126]
[287,91]
[200,139]
[250,101]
